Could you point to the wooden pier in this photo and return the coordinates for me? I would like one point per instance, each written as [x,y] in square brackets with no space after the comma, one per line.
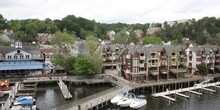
[64,90]
[189,89]
[98,100]
[8,102]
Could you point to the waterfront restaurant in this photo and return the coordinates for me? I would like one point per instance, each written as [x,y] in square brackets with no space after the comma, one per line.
[21,60]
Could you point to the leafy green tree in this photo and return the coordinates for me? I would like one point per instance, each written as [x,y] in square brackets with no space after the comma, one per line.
[152,40]
[203,70]
[94,54]
[3,23]
[83,66]
[3,42]
[63,41]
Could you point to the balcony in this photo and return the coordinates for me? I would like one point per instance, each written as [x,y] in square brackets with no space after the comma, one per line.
[153,57]
[141,65]
[163,64]
[190,66]
[203,55]
[142,72]
[164,71]
[142,57]
[181,70]
[163,57]
[173,56]
[217,55]
[217,60]
[154,72]
[154,64]
[182,56]
[127,71]
[183,63]
[128,56]
[173,63]
[112,58]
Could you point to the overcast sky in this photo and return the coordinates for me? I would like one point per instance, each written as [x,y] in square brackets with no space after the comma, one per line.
[111,11]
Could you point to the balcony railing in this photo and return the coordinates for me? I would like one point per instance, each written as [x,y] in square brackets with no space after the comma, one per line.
[112,58]
[164,71]
[128,56]
[182,56]
[142,57]
[153,57]
[163,57]
[154,64]
[127,71]
[173,63]
[217,55]
[182,70]
[154,72]
[163,64]
[217,60]
[141,65]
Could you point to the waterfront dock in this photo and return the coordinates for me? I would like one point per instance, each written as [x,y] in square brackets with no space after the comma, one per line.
[64,90]
[188,89]
[101,99]
[12,94]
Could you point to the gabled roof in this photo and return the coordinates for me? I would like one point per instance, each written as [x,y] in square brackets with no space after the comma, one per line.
[30,49]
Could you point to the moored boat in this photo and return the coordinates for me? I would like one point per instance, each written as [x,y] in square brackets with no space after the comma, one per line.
[126,101]
[118,97]
[139,102]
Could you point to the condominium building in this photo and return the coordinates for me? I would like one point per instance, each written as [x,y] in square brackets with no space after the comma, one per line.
[159,62]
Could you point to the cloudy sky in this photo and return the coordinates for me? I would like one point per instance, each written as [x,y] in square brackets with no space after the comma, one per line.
[111,11]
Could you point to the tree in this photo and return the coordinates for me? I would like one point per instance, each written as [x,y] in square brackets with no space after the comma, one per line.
[63,41]
[152,40]
[203,70]
[83,66]
[3,23]
[94,54]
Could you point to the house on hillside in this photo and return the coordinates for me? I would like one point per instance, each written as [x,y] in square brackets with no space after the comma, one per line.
[44,38]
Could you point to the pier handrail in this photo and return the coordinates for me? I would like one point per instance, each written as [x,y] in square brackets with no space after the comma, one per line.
[80,101]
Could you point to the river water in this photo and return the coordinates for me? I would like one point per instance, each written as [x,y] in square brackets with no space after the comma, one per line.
[50,96]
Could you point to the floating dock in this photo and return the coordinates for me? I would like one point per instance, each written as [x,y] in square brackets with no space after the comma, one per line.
[189,89]
[64,90]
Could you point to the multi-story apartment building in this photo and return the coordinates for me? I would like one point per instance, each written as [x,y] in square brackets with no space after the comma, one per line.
[110,54]
[159,62]
[208,55]
[142,63]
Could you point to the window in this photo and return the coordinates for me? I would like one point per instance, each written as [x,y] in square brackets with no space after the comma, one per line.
[27,56]
[190,58]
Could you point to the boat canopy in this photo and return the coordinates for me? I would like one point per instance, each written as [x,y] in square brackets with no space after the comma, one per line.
[141,97]
[123,92]
[132,95]
[26,102]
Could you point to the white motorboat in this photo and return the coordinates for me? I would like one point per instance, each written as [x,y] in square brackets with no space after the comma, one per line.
[126,101]
[139,102]
[20,107]
[118,97]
